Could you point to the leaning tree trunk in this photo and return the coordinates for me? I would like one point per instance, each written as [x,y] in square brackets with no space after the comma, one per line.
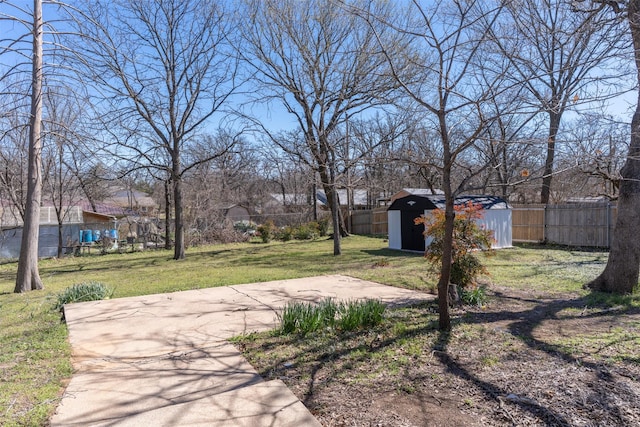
[28,277]
[621,272]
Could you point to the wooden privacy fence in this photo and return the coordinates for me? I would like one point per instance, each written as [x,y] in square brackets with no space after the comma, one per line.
[372,221]
[576,224]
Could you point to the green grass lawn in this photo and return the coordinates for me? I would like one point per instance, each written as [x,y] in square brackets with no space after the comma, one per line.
[35,356]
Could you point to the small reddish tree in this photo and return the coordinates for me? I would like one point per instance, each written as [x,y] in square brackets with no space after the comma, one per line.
[468,237]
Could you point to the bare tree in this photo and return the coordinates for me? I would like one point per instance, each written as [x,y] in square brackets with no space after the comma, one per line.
[92,176]
[560,57]
[28,276]
[162,71]
[322,65]
[14,45]
[450,97]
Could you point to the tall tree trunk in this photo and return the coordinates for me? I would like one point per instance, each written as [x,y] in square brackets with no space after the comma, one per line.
[623,266]
[167,214]
[333,201]
[328,185]
[178,250]
[444,317]
[28,277]
[60,242]
[335,217]
[554,126]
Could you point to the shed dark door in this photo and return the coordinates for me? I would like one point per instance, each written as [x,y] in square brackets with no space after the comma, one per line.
[412,237]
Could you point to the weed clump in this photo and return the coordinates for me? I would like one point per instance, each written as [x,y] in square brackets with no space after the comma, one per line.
[474,295]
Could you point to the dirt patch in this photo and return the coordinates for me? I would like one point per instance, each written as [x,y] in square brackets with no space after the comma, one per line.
[525,359]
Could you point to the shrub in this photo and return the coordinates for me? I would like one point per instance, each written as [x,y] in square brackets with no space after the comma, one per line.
[266,231]
[285,234]
[468,237]
[465,269]
[305,232]
[86,291]
[323,226]
[216,234]
[227,235]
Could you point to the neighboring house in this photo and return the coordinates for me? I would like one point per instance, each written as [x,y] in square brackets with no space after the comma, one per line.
[76,223]
[280,201]
[135,201]
[287,209]
[106,209]
[406,235]
[592,199]
[360,199]
[235,213]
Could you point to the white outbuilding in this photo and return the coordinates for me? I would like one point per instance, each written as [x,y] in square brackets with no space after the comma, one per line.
[404,234]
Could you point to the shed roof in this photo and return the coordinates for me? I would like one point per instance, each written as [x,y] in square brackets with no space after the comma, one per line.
[414,192]
[437,201]
[99,216]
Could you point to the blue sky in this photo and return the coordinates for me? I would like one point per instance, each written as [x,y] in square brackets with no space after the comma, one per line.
[273,114]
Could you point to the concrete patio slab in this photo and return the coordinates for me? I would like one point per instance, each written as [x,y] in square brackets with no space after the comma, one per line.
[118,389]
[165,360]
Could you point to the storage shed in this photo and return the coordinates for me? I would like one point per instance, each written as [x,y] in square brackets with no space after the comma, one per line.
[405,235]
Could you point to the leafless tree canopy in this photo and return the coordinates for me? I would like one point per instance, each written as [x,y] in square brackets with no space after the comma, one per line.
[161,70]
[562,59]
[318,61]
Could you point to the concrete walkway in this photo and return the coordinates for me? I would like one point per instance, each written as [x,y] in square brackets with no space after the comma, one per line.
[164,360]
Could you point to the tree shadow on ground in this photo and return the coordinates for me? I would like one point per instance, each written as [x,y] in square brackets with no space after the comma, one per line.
[553,246]
[524,324]
[386,252]
[520,319]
